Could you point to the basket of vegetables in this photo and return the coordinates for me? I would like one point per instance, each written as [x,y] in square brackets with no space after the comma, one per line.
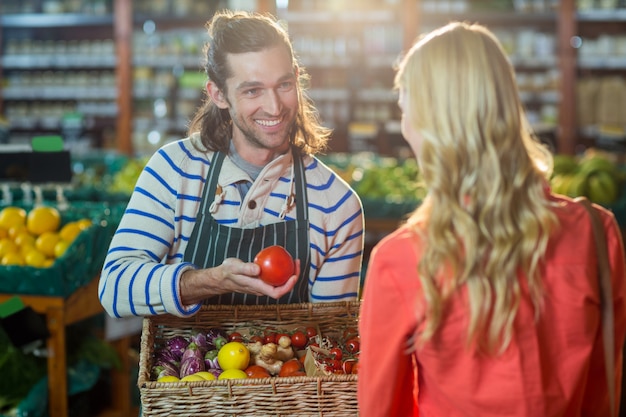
[281,360]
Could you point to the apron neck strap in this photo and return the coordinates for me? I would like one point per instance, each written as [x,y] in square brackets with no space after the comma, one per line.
[299,180]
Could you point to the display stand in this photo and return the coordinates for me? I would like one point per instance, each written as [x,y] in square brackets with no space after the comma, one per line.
[61,312]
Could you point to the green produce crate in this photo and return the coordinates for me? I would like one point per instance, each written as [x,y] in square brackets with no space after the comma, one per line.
[80,263]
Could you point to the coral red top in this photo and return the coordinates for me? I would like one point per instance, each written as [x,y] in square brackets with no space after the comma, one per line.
[552,367]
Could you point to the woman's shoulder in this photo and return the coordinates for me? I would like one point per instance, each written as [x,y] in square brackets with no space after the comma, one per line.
[403,241]
[570,211]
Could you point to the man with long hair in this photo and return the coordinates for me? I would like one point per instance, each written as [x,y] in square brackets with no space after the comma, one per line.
[245,178]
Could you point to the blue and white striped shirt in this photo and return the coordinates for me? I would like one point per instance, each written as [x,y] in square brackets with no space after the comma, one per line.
[143,266]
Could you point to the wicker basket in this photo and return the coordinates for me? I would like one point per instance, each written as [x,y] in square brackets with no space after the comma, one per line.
[332,395]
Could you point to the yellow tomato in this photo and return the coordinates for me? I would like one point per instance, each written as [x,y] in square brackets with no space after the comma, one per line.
[69,232]
[46,242]
[7,246]
[168,378]
[60,248]
[27,247]
[233,355]
[233,374]
[192,377]
[17,229]
[84,223]
[13,258]
[35,258]
[24,239]
[43,219]
[11,216]
[206,375]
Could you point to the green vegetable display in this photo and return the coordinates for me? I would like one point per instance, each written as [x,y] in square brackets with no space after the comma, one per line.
[593,175]
[19,372]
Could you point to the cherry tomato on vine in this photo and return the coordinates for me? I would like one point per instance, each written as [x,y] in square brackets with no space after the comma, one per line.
[256,338]
[311,332]
[269,337]
[299,339]
[333,364]
[355,368]
[336,353]
[350,333]
[235,337]
[347,365]
[276,264]
[353,345]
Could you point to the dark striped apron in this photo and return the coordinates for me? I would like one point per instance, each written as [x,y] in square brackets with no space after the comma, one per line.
[210,242]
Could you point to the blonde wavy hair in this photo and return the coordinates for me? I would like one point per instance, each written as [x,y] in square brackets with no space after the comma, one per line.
[487,216]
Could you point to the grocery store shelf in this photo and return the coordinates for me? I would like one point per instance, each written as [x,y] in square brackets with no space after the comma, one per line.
[337,16]
[602,62]
[43,61]
[599,15]
[54,20]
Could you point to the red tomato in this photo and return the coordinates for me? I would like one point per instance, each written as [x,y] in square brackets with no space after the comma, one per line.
[333,364]
[276,264]
[256,338]
[347,366]
[353,345]
[336,353]
[350,333]
[290,366]
[269,337]
[256,371]
[311,332]
[235,337]
[299,339]
[355,368]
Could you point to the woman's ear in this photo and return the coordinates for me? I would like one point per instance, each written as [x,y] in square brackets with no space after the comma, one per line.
[216,95]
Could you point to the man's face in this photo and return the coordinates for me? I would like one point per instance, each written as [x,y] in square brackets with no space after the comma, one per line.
[262,98]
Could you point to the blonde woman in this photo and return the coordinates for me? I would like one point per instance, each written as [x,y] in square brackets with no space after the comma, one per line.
[485,303]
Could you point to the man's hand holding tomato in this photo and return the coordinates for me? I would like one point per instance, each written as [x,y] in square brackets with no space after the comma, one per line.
[233,275]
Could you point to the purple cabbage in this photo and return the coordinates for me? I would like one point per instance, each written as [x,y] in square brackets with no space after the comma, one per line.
[192,361]
[177,345]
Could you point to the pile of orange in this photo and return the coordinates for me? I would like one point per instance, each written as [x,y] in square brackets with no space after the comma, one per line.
[35,237]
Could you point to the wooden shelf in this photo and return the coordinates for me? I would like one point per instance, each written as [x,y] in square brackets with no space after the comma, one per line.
[60,312]
[564,22]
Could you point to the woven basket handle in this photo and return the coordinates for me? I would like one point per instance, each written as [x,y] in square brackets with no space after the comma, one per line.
[606,298]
